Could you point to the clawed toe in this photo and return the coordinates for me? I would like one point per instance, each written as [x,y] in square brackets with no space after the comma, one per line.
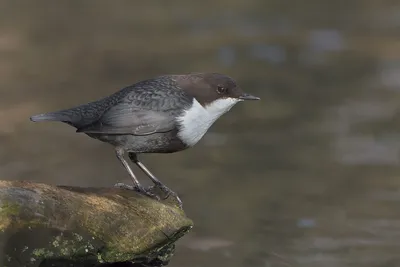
[151,192]
[148,193]
[168,193]
[138,189]
[125,186]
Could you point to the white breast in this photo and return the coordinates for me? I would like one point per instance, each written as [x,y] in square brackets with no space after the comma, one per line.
[196,120]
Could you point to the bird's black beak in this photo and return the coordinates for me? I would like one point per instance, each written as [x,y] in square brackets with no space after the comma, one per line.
[245,96]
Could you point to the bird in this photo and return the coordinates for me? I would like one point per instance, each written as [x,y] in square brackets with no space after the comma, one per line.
[163,114]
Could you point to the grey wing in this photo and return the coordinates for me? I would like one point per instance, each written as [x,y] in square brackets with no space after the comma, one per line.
[125,118]
[142,110]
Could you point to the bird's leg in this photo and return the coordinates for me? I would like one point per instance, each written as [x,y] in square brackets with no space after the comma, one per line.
[158,183]
[134,159]
[136,185]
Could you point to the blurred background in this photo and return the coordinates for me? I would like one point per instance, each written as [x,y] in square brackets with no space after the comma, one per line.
[308,176]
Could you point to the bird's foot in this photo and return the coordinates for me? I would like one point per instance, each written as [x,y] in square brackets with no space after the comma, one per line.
[154,192]
[167,193]
[139,189]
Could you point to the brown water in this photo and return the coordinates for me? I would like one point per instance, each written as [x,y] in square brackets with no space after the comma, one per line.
[309,176]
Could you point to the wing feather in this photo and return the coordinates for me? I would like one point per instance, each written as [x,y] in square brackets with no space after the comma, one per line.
[141,109]
[124,118]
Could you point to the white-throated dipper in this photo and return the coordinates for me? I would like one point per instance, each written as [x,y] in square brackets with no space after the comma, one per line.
[165,114]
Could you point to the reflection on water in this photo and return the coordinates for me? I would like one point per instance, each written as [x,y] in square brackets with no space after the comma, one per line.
[306,177]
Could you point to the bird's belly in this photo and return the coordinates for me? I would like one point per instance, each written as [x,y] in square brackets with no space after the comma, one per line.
[154,143]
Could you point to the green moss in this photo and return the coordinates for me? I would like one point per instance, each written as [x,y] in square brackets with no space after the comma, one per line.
[7,212]
[144,229]
[42,253]
[153,219]
[9,209]
[74,246]
[162,252]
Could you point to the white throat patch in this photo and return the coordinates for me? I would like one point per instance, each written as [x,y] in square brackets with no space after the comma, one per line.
[196,120]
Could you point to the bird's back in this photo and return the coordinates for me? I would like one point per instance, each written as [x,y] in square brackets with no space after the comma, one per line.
[136,95]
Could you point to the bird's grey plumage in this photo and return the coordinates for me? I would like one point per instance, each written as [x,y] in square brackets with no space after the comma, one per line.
[165,114]
[138,109]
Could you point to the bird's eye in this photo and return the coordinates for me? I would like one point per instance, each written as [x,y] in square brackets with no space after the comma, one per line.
[221,90]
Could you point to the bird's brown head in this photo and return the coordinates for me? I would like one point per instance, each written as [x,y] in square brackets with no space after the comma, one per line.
[209,87]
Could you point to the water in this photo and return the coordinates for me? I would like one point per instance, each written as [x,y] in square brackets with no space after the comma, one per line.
[307,177]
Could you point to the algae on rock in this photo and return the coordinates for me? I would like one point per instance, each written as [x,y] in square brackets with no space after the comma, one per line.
[44,225]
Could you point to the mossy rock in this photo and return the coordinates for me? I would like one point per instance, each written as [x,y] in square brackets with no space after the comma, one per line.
[44,225]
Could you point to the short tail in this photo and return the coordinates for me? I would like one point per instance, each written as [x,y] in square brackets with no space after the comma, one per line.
[52,116]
